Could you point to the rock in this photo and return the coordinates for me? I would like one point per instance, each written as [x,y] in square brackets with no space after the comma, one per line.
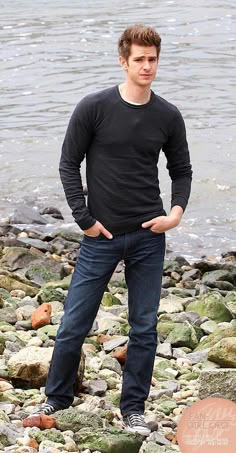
[111,364]
[26,215]
[166,405]
[41,316]
[97,387]
[152,447]
[197,357]
[54,212]
[108,300]
[74,420]
[164,350]
[120,354]
[114,343]
[218,383]
[40,421]
[10,283]
[209,326]
[216,336]
[212,306]
[108,440]
[24,312]
[5,385]
[48,294]
[212,278]
[230,302]
[170,305]
[224,352]
[183,335]
[48,330]
[18,293]
[31,364]
[8,315]
[36,243]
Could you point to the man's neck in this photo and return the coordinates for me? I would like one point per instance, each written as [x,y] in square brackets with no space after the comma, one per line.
[138,95]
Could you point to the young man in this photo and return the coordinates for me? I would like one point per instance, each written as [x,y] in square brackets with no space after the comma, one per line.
[120,131]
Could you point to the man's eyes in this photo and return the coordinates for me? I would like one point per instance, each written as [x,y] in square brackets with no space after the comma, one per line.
[141,59]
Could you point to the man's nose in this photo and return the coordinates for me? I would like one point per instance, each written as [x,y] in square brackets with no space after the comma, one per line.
[146,65]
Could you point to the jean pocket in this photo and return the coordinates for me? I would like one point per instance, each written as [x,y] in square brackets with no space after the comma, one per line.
[93,238]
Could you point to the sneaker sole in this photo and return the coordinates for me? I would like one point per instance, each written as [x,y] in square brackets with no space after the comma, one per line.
[143,432]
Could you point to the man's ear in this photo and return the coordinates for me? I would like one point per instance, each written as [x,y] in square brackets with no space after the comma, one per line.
[123,62]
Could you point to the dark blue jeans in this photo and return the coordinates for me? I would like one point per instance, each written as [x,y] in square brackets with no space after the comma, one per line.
[143,253]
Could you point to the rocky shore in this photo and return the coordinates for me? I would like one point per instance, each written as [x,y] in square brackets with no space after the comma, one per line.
[195,357]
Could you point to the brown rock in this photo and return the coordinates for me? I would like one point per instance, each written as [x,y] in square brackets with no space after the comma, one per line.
[120,354]
[41,316]
[40,421]
[33,444]
[101,338]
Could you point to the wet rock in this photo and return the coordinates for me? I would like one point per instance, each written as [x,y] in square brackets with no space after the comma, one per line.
[54,212]
[218,383]
[224,352]
[41,316]
[25,214]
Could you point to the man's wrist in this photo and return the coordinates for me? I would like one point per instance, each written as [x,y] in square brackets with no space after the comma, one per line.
[176,214]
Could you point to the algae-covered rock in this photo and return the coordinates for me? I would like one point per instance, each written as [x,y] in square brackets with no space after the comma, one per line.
[230,302]
[216,336]
[109,300]
[224,353]
[166,405]
[49,294]
[74,420]
[48,434]
[10,283]
[212,306]
[183,335]
[108,440]
[165,327]
[212,278]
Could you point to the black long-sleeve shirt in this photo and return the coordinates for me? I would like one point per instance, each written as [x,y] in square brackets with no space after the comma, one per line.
[122,143]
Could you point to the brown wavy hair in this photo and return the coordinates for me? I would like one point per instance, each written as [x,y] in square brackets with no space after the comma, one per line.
[138,34]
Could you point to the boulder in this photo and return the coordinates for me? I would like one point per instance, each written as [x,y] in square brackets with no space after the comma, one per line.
[31,364]
[26,215]
[74,420]
[49,294]
[10,282]
[224,353]
[212,278]
[107,440]
[212,306]
[217,383]
[216,336]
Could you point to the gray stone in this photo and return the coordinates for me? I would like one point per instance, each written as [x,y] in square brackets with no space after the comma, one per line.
[113,344]
[197,357]
[209,326]
[97,387]
[26,215]
[220,381]
[8,315]
[164,350]
[111,364]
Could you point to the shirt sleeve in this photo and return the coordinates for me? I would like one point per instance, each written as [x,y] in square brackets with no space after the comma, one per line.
[178,162]
[76,143]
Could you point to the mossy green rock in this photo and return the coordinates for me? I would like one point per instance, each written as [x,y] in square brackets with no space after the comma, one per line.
[167,405]
[151,447]
[74,420]
[230,302]
[216,336]
[224,352]
[109,300]
[48,434]
[41,275]
[212,306]
[183,335]
[6,327]
[48,294]
[4,293]
[49,330]
[108,441]
[63,284]
[4,442]
[165,327]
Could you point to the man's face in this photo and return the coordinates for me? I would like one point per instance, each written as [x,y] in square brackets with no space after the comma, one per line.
[141,66]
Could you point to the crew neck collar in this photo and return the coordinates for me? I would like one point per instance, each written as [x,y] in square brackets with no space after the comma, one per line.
[133,105]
